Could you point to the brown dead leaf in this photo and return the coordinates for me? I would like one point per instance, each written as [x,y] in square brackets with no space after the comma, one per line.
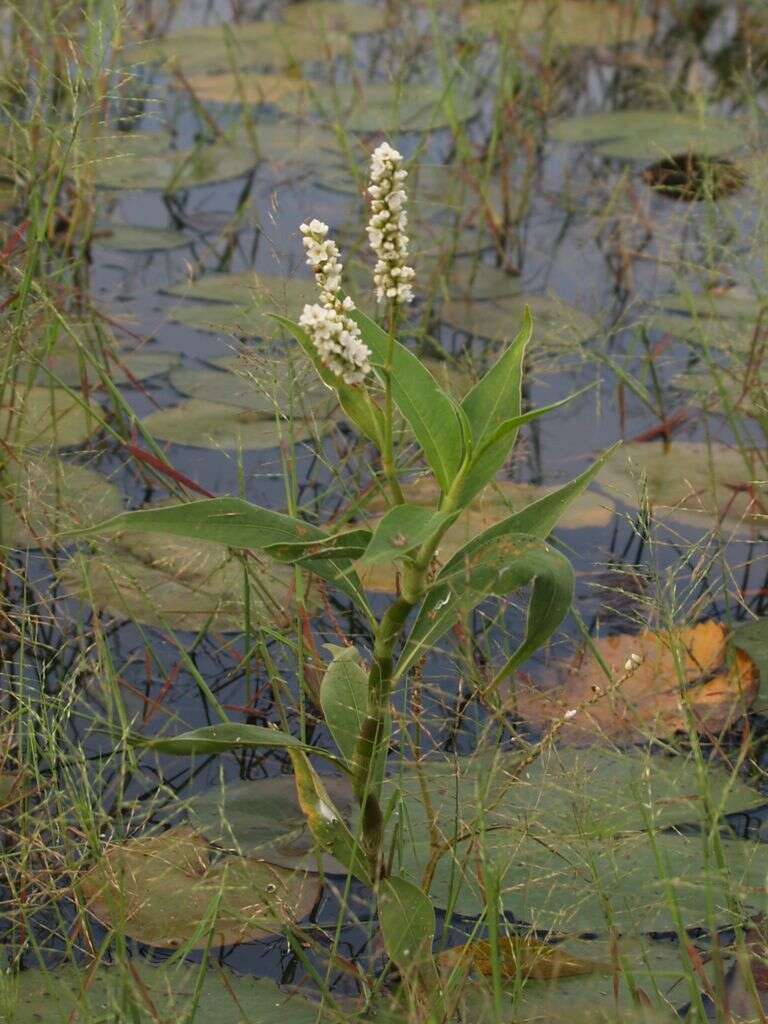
[587,708]
[521,957]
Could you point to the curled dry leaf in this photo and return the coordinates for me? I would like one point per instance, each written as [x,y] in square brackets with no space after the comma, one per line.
[648,700]
[168,891]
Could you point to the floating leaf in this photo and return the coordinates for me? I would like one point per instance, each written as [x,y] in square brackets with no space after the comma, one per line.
[202,424]
[263,819]
[133,238]
[591,980]
[407,920]
[557,325]
[141,992]
[292,391]
[335,16]
[221,318]
[640,134]
[70,368]
[727,304]
[179,583]
[382,107]
[169,891]
[752,639]
[690,482]
[263,44]
[42,497]
[39,417]
[254,89]
[568,23]
[712,332]
[650,701]
[577,886]
[144,161]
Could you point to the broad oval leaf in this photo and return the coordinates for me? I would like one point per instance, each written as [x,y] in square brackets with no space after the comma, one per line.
[407,920]
[344,700]
[168,891]
[402,529]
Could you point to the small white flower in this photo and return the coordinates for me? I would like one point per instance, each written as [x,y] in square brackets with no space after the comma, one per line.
[633,662]
[387,226]
[334,333]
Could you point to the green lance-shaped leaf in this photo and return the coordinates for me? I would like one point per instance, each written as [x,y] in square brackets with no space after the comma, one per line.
[403,529]
[493,451]
[425,406]
[324,820]
[537,519]
[349,544]
[219,739]
[496,569]
[407,920]
[239,524]
[357,404]
[344,699]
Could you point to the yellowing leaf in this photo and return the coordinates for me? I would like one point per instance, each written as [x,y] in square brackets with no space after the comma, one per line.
[522,957]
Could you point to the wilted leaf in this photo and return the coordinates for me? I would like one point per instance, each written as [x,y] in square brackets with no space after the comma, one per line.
[521,957]
[169,890]
[42,496]
[650,702]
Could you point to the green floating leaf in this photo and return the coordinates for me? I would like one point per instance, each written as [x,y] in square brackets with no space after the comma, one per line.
[202,424]
[41,497]
[263,44]
[144,161]
[168,891]
[336,16]
[221,318]
[712,332]
[382,107]
[691,483]
[559,326]
[270,292]
[178,583]
[730,304]
[281,390]
[648,134]
[66,367]
[133,238]
[752,638]
[263,819]
[41,417]
[568,23]
[141,992]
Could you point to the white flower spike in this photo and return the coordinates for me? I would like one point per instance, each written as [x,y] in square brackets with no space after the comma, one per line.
[387,226]
[334,333]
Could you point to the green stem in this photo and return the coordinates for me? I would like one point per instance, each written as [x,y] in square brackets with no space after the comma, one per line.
[387,448]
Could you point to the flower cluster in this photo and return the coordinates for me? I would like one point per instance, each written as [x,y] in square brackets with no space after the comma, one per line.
[334,333]
[387,226]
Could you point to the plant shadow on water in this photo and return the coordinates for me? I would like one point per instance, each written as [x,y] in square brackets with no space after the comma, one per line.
[475,730]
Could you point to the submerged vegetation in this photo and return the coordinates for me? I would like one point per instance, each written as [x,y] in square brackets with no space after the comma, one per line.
[383,489]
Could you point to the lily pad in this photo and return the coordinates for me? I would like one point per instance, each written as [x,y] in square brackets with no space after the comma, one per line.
[691,483]
[304,394]
[382,107]
[568,23]
[202,424]
[132,238]
[588,885]
[728,304]
[645,134]
[712,332]
[263,819]
[68,368]
[144,161]
[211,48]
[179,584]
[39,417]
[557,325]
[225,318]
[272,293]
[595,792]
[164,889]
[251,88]
[336,16]
[41,497]
[589,511]
[143,993]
